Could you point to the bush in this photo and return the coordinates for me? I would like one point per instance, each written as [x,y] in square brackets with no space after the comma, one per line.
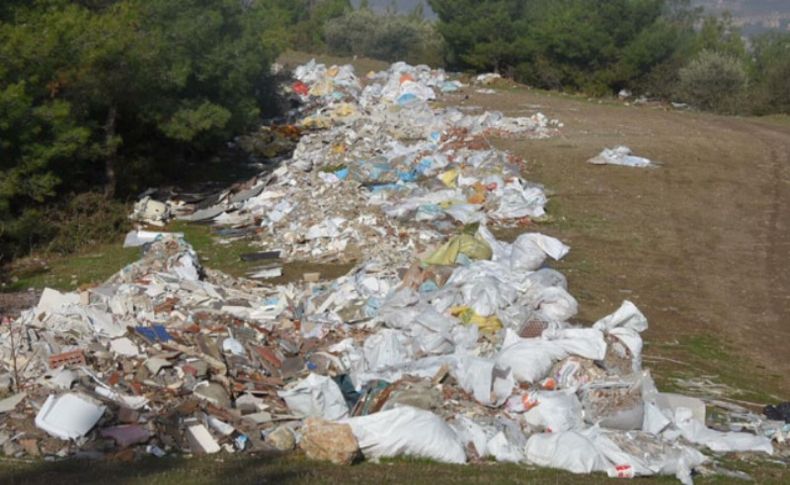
[87,219]
[772,74]
[714,81]
[386,37]
[117,94]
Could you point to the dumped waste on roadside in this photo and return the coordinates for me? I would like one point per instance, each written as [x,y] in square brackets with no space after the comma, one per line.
[442,342]
[622,156]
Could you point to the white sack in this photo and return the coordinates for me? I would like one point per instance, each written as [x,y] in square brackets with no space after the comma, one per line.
[316,396]
[407,431]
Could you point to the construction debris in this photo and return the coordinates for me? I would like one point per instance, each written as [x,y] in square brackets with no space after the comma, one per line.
[442,342]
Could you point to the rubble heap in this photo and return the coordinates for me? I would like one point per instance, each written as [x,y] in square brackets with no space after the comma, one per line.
[443,342]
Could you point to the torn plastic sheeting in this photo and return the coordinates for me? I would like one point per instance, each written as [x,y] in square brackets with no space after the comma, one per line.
[424,368]
[137,238]
[554,411]
[466,213]
[571,451]
[639,454]
[69,416]
[488,384]
[407,431]
[626,324]
[529,251]
[582,342]
[387,348]
[318,396]
[620,155]
[518,202]
[718,441]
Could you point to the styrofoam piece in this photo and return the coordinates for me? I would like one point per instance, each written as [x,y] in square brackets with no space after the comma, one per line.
[69,416]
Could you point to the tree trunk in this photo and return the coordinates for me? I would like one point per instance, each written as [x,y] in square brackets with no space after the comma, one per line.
[112,151]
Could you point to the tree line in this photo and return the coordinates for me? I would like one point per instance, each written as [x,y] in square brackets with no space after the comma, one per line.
[663,48]
[114,96]
[108,97]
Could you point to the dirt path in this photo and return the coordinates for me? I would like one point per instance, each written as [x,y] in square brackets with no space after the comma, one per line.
[701,244]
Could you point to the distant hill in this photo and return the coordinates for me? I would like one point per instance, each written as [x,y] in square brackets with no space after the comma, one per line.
[401,6]
[753,16]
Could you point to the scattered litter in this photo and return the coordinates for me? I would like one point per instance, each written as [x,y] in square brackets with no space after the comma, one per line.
[620,155]
[441,342]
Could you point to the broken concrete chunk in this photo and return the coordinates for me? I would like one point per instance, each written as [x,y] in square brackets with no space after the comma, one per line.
[213,393]
[282,438]
[126,436]
[326,441]
[200,440]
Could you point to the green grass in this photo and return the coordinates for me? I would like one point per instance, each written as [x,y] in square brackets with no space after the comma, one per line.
[91,265]
[294,469]
[709,355]
[213,254]
[95,264]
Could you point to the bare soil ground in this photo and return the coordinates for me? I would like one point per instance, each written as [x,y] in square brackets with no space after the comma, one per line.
[700,243]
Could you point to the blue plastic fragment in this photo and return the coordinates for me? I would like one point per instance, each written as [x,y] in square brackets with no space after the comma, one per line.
[407,98]
[155,333]
[409,176]
[342,174]
[429,287]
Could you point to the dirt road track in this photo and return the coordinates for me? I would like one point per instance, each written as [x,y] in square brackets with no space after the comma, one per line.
[701,244]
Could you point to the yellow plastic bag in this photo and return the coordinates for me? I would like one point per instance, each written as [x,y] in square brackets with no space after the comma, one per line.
[468,316]
[449,177]
[470,246]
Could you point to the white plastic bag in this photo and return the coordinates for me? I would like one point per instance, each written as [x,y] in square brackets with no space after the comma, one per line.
[530,250]
[554,411]
[569,450]
[696,432]
[626,324]
[488,384]
[316,396]
[530,360]
[407,431]
[386,348]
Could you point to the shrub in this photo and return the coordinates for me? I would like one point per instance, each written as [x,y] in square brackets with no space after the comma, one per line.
[772,72]
[386,37]
[713,81]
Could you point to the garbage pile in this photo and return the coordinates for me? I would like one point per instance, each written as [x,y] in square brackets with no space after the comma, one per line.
[385,173]
[443,342]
